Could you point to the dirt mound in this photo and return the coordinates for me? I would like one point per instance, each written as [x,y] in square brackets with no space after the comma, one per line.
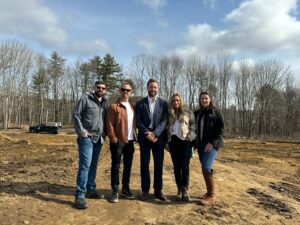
[270,203]
[5,138]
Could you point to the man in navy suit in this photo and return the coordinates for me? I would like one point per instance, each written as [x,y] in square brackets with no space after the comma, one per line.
[151,121]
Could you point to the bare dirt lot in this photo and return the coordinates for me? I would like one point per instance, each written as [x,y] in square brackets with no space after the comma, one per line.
[257,182]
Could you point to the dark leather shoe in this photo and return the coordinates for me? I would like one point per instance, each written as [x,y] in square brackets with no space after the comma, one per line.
[160,196]
[80,203]
[144,196]
[126,193]
[95,195]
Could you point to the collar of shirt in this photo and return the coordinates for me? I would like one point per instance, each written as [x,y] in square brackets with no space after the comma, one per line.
[151,99]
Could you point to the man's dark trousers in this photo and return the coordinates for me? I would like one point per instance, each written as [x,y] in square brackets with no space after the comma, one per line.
[117,149]
[158,157]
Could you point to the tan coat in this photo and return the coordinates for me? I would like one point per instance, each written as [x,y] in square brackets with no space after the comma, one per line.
[187,125]
[117,122]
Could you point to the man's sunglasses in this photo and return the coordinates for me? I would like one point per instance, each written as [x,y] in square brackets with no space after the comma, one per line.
[124,89]
[99,87]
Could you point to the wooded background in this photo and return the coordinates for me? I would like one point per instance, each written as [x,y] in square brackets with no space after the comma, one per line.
[257,99]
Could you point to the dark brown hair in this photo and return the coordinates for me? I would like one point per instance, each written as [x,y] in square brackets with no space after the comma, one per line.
[151,81]
[211,104]
[99,82]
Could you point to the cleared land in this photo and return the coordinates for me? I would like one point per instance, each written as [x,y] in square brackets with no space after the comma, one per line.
[257,182]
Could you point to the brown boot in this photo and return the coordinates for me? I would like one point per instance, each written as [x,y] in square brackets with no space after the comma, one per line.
[204,196]
[208,198]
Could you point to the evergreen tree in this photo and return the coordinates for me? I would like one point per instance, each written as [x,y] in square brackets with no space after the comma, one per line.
[107,70]
[56,68]
[111,73]
[41,86]
[95,67]
[84,70]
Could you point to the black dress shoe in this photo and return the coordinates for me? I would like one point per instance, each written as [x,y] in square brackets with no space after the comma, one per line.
[95,195]
[126,193]
[144,196]
[160,196]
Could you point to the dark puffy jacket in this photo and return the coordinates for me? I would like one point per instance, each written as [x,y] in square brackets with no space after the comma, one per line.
[213,129]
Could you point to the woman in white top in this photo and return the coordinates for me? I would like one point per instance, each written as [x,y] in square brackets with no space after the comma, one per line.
[181,133]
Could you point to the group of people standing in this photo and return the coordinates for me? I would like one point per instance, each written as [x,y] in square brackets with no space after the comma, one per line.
[155,125]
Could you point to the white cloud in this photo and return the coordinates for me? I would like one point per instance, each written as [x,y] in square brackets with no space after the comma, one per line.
[209,3]
[265,25]
[156,5]
[147,44]
[88,47]
[258,26]
[31,20]
[162,24]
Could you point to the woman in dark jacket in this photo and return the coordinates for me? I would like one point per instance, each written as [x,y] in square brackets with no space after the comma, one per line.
[210,128]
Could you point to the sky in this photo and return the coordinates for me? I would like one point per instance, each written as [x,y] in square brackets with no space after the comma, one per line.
[253,29]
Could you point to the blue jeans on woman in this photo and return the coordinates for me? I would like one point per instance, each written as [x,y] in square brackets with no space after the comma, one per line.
[87,168]
[206,158]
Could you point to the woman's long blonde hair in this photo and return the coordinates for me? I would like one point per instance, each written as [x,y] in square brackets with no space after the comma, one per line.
[183,109]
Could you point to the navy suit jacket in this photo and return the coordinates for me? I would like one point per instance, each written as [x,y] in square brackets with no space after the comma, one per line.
[160,118]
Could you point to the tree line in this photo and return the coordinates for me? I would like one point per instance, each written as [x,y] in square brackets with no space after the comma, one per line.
[257,99]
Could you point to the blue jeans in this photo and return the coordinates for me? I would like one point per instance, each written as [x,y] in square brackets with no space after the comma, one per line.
[206,158]
[87,169]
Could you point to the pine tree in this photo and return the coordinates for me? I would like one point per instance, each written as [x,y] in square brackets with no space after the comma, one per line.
[56,68]
[106,70]
[41,86]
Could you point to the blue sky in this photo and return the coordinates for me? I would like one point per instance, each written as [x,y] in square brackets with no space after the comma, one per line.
[254,29]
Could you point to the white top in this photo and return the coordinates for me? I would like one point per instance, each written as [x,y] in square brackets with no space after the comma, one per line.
[130,120]
[201,128]
[151,102]
[176,130]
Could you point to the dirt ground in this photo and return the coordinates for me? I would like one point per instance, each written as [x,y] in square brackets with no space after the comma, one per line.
[257,182]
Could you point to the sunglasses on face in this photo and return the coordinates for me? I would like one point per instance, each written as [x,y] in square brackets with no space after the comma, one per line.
[124,89]
[99,87]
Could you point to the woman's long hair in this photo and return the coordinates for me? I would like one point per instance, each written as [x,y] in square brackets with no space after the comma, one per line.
[183,109]
[211,104]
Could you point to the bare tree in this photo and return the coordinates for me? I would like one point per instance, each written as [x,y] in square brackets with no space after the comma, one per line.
[170,69]
[40,85]
[269,75]
[245,91]
[224,72]
[191,70]
[200,77]
[290,115]
[15,65]
[138,72]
